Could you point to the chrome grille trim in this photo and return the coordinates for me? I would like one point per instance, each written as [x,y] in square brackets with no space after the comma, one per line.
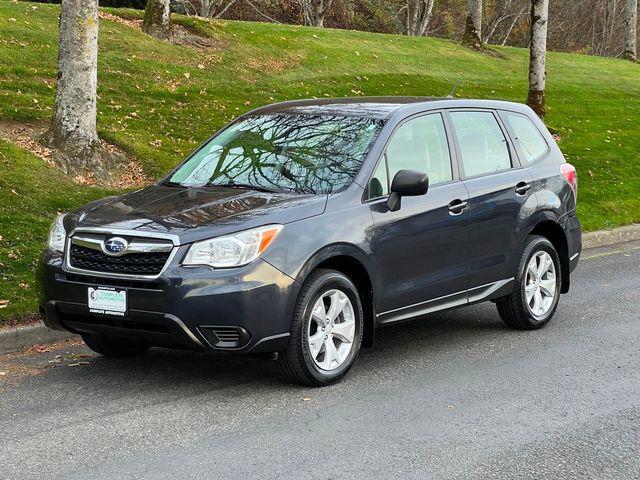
[86,237]
[136,245]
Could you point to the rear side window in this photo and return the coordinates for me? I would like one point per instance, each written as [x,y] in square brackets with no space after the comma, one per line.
[531,141]
[483,146]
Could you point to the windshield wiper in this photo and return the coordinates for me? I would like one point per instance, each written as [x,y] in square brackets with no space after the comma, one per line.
[245,186]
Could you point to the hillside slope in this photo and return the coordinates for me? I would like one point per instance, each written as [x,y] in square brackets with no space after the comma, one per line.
[159,101]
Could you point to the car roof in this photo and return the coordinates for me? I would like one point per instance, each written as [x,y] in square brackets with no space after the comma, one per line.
[379,107]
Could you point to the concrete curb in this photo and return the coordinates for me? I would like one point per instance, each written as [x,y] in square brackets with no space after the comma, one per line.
[601,238]
[14,339]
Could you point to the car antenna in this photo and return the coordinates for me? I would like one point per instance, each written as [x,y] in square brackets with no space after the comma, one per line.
[453,90]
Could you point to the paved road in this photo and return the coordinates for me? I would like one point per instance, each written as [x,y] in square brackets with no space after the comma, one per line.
[451,396]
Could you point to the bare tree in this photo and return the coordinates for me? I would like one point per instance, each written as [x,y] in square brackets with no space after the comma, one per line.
[207,8]
[314,11]
[631,25]
[503,11]
[538,55]
[473,29]
[72,134]
[419,13]
[157,19]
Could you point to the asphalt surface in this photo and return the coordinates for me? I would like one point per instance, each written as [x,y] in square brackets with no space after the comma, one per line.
[456,395]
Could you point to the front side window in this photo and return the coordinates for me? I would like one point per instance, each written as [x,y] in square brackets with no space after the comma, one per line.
[282,152]
[419,144]
[531,142]
[482,144]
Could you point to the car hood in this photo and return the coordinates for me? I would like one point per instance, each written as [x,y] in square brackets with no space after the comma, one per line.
[194,214]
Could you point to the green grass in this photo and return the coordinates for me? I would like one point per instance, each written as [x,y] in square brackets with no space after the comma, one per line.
[158,101]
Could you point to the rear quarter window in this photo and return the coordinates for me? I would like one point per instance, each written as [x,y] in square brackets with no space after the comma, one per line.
[527,136]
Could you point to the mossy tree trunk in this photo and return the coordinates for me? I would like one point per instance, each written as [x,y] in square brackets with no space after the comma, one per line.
[631,25]
[157,19]
[473,29]
[72,134]
[538,56]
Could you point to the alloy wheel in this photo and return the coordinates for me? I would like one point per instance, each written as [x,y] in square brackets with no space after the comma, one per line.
[331,330]
[540,283]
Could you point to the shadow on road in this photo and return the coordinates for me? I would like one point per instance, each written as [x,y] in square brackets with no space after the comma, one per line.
[427,339]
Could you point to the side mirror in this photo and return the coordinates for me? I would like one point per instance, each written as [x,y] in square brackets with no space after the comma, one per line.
[408,183]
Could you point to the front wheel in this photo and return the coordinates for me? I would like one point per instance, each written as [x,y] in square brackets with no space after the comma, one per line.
[536,288]
[326,330]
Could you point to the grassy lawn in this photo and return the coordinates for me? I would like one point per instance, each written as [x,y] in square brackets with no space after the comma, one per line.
[158,101]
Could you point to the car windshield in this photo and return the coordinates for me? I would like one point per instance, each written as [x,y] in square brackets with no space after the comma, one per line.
[282,152]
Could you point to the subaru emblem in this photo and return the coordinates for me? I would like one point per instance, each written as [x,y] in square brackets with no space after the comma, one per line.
[115,246]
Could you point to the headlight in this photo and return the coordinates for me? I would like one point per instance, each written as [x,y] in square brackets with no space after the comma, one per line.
[232,250]
[57,235]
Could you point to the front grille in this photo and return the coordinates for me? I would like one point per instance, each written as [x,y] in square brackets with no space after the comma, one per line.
[128,264]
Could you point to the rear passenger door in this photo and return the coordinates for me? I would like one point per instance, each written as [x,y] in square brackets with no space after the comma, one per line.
[500,200]
[421,248]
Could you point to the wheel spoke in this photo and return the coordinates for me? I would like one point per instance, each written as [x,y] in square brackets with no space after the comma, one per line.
[548,287]
[545,261]
[315,343]
[344,331]
[537,302]
[338,301]
[319,314]
[532,269]
[529,290]
[330,354]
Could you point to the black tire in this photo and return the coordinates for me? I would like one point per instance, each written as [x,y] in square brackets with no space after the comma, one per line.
[514,309]
[113,348]
[296,362]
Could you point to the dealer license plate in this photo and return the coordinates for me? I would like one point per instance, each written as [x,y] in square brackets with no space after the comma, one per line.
[107,301]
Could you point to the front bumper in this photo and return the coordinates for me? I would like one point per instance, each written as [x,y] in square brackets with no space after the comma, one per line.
[197,308]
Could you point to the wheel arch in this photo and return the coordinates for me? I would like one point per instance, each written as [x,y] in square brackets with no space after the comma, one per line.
[550,229]
[355,264]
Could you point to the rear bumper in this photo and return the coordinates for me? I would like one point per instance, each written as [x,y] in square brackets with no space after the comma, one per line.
[574,240]
[242,310]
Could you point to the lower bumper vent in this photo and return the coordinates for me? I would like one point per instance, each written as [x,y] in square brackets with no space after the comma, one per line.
[225,337]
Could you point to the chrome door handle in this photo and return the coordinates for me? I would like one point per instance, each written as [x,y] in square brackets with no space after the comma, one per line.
[522,188]
[457,206]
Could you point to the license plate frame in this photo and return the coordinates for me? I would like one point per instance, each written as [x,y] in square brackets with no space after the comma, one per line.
[107,301]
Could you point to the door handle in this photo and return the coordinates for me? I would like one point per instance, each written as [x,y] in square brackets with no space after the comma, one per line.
[457,206]
[522,188]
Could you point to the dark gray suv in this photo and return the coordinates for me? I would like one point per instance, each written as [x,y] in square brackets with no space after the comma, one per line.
[302,227]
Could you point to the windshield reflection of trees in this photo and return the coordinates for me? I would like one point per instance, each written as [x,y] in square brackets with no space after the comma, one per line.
[297,153]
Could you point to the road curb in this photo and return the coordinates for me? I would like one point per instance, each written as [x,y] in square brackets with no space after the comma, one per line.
[14,339]
[601,238]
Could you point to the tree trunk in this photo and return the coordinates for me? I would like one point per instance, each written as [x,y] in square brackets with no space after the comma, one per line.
[157,19]
[419,13]
[631,23]
[72,134]
[473,30]
[538,55]
[314,12]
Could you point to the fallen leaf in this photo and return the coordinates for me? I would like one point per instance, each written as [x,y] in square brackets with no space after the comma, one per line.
[187,75]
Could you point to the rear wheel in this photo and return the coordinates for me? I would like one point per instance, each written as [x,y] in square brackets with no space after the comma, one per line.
[326,330]
[113,348]
[536,289]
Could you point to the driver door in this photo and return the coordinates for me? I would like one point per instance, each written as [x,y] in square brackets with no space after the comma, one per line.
[422,248]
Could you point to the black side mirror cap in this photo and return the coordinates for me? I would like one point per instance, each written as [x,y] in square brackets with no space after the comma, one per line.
[408,183]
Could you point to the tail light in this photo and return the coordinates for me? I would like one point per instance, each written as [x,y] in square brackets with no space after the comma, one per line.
[571,176]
